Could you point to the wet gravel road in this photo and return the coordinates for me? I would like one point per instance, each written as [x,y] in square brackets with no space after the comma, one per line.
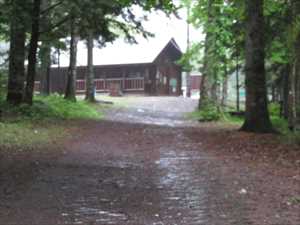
[118,172]
[165,111]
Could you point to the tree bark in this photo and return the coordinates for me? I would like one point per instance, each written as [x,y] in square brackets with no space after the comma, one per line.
[297,89]
[295,67]
[16,74]
[45,56]
[285,91]
[237,84]
[292,99]
[214,91]
[273,91]
[257,116]
[225,87]
[70,93]
[206,85]
[297,77]
[90,85]
[45,53]
[32,57]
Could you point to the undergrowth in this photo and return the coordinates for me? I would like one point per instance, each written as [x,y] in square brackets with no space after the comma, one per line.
[27,126]
[49,108]
[212,113]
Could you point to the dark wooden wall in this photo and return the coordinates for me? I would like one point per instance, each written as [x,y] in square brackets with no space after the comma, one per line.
[158,75]
[168,69]
[58,76]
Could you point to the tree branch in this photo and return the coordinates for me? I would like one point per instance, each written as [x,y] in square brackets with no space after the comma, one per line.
[58,24]
[50,8]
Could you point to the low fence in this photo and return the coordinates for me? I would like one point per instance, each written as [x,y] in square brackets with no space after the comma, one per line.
[103,85]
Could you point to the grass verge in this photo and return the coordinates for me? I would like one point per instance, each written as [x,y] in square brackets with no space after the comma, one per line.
[26,135]
[25,126]
[280,124]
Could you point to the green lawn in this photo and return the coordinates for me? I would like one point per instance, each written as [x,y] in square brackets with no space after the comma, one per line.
[45,121]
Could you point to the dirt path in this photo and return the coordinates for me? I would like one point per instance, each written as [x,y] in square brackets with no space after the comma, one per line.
[164,111]
[131,173]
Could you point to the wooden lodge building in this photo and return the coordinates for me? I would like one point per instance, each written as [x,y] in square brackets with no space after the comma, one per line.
[161,75]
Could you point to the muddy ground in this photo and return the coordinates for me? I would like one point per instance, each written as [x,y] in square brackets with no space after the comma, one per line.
[147,164]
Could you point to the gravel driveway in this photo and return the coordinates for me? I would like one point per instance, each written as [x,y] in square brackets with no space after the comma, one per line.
[169,111]
[143,165]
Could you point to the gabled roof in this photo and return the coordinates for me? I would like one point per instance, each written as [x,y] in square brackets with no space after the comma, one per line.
[170,44]
[119,52]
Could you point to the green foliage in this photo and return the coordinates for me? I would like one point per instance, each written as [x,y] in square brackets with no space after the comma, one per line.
[237,120]
[25,127]
[209,112]
[279,123]
[212,113]
[221,23]
[61,108]
[52,107]
[274,109]
[190,60]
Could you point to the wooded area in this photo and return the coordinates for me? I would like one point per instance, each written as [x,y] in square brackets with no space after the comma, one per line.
[155,157]
[47,25]
[256,37]
[260,38]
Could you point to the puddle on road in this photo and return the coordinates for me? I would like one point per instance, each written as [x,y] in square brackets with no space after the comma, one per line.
[84,215]
[151,117]
[174,194]
[181,187]
[171,122]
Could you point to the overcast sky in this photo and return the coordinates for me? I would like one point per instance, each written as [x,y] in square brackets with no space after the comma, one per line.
[164,29]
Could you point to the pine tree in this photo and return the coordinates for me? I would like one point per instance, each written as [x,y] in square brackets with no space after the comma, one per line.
[256,115]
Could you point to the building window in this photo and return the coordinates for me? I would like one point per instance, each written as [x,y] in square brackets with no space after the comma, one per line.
[165,80]
[135,74]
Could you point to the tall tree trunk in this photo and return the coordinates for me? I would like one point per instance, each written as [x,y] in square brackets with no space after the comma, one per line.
[58,57]
[188,73]
[225,87]
[292,98]
[45,53]
[70,92]
[285,91]
[16,75]
[214,90]
[237,84]
[273,91]
[257,115]
[295,65]
[297,89]
[90,85]
[206,85]
[203,91]
[297,76]
[45,56]
[32,57]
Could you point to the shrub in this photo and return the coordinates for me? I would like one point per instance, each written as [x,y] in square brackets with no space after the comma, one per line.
[274,109]
[210,112]
[64,109]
